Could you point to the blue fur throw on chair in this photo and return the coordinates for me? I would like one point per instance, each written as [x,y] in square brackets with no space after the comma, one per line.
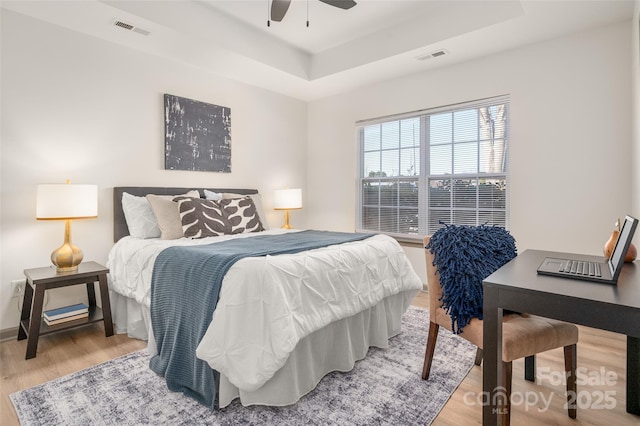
[464,256]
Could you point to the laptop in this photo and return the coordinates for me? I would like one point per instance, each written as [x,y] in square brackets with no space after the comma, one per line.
[602,272]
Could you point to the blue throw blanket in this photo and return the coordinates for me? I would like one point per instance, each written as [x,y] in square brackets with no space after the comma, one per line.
[185,287]
[464,256]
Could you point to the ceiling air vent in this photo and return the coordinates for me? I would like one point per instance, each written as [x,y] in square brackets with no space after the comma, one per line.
[130,27]
[435,54]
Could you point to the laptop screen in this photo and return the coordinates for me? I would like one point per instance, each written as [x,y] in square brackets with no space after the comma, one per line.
[620,250]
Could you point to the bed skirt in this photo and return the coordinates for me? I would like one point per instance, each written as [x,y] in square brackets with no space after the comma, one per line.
[335,347]
[129,316]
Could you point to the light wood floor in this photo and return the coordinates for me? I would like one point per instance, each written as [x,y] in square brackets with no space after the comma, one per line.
[64,353]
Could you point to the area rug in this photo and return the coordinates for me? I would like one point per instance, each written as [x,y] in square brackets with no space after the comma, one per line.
[383,388]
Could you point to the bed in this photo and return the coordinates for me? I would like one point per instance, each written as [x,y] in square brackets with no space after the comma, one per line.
[282,322]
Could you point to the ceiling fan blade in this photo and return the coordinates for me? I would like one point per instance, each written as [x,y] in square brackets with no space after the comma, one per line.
[342,4]
[279,9]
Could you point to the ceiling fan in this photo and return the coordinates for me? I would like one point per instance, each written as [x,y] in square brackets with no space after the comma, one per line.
[279,7]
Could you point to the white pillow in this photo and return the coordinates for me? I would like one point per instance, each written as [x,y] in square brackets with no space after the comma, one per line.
[139,216]
[257,201]
[210,195]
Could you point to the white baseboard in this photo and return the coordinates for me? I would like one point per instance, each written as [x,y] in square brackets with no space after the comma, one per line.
[8,334]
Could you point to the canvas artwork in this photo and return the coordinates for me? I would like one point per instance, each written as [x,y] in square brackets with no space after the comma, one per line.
[197,135]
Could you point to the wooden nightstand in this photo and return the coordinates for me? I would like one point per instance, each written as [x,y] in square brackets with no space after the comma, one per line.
[39,280]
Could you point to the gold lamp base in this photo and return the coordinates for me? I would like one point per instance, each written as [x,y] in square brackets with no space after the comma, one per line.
[286,220]
[67,257]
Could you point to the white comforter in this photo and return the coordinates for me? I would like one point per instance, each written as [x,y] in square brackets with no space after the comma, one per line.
[268,304]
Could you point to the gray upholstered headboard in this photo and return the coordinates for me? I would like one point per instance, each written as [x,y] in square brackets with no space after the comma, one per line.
[120,228]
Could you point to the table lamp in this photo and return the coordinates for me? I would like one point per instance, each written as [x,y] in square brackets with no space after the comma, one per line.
[64,201]
[287,199]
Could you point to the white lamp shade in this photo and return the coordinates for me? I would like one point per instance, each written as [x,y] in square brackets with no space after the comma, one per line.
[288,199]
[60,201]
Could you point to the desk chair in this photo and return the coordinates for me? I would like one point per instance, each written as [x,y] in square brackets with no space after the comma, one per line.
[523,336]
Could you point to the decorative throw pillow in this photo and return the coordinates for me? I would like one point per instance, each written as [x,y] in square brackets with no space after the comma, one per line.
[209,218]
[139,216]
[242,215]
[167,214]
[257,201]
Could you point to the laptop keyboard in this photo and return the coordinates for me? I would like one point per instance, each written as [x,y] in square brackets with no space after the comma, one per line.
[578,267]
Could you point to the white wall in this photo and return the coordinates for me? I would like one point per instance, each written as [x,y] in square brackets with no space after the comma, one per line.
[79,108]
[570,130]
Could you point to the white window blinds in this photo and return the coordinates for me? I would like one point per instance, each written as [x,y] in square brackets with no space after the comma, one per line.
[445,165]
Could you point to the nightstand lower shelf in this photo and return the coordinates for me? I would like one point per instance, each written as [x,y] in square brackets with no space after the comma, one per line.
[95,315]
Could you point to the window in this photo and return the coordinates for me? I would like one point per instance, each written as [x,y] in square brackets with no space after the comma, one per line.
[446,165]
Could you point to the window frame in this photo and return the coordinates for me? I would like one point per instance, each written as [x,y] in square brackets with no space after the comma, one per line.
[424,177]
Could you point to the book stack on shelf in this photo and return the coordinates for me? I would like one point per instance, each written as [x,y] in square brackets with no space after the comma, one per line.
[66,313]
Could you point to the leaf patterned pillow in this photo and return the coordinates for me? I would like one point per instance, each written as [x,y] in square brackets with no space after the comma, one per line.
[211,218]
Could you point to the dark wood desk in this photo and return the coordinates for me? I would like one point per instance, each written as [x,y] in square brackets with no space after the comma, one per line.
[517,286]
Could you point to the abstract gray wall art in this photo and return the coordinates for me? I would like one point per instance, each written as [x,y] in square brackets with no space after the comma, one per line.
[197,135]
